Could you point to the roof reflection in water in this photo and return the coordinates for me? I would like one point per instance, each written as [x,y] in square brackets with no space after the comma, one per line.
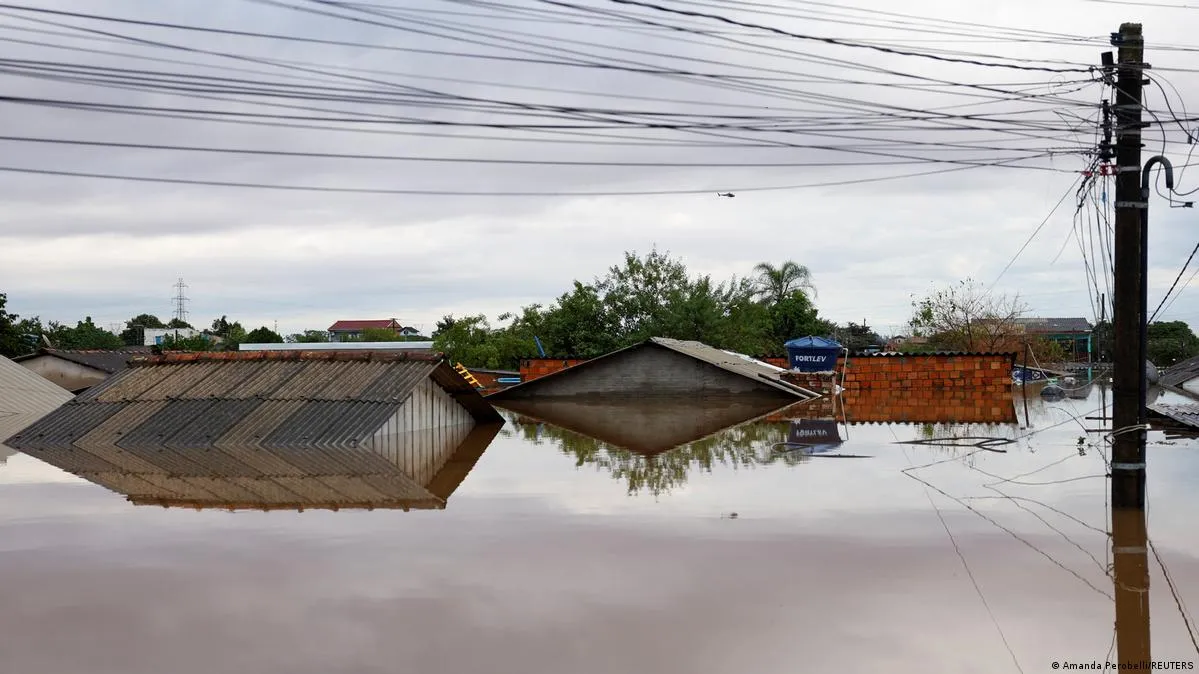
[421,475]
[654,444]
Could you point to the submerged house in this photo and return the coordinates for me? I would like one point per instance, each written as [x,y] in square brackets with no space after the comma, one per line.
[79,370]
[650,426]
[1182,377]
[25,397]
[661,367]
[272,430]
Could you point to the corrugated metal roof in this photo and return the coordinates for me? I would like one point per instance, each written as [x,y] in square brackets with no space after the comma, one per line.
[25,397]
[735,363]
[105,360]
[925,354]
[739,364]
[307,484]
[1050,325]
[1184,414]
[178,427]
[1180,373]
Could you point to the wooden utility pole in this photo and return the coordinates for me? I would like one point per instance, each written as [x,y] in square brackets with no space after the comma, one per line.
[1129,546]
[1128,372]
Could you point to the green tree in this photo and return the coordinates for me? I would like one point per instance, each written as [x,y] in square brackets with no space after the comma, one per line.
[857,336]
[181,343]
[85,335]
[309,337]
[16,338]
[1170,342]
[794,316]
[231,334]
[179,323]
[263,335]
[133,334]
[967,317]
[774,284]
[639,293]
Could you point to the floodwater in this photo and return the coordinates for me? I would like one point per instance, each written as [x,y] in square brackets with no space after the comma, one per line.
[897,547]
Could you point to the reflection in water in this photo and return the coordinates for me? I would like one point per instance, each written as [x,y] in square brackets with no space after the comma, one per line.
[421,473]
[652,445]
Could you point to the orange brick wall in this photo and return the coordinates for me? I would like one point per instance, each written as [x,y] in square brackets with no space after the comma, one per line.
[923,371]
[532,368]
[901,405]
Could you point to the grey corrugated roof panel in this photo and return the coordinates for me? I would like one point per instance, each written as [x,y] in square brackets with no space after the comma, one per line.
[120,458]
[65,425]
[353,488]
[735,363]
[23,391]
[330,425]
[357,422]
[222,488]
[399,486]
[311,489]
[260,423]
[128,417]
[132,383]
[127,484]
[353,381]
[266,379]
[266,489]
[1187,414]
[315,376]
[215,421]
[1179,373]
[25,398]
[178,487]
[104,360]
[224,379]
[1062,324]
[397,381]
[177,383]
[70,459]
[155,431]
[256,458]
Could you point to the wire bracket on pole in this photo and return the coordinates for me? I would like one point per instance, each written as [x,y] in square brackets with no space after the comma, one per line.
[1128,466]
[1132,204]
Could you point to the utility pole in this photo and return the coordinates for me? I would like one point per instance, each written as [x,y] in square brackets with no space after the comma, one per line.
[1129,543]
[1128,373]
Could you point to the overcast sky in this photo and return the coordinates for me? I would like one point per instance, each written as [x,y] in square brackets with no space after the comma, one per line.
[75,246]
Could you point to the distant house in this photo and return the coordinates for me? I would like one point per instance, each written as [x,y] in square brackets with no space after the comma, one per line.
[1182,377]
[156,336]
[1076,335]
[348,330]
[660,366]
[271,431]
[78,370]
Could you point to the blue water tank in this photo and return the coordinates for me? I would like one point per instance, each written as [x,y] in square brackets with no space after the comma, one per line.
[812,354]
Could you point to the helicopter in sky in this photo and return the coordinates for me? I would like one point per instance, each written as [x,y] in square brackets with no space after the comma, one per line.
[726,194]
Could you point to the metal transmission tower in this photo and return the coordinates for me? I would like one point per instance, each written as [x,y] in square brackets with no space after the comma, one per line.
[180,300]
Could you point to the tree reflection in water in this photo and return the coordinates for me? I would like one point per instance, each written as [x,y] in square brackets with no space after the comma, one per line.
[658,472]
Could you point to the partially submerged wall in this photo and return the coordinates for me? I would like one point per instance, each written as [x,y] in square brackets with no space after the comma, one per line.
[991,372]
[534,368]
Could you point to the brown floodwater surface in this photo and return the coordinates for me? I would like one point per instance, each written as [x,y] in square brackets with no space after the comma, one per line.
[943,548]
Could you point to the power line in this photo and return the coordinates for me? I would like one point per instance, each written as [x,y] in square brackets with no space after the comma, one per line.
[826,40]
[1175,283]
[461,193]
